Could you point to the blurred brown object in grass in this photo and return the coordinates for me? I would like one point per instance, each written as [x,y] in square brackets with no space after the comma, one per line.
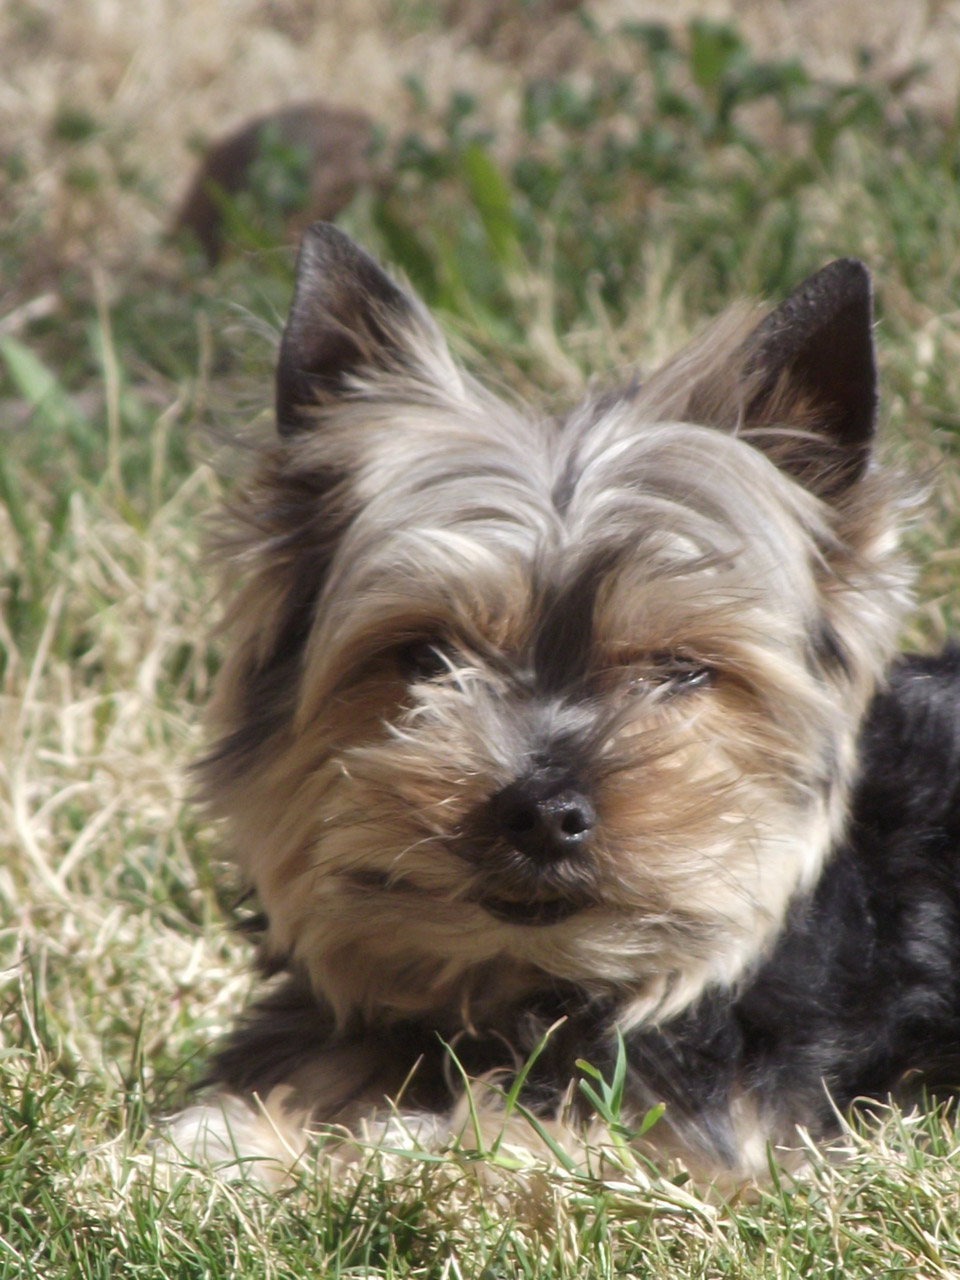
[332,145]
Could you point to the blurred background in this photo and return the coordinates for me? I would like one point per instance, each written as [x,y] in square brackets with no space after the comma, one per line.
[529,164]
[574,188]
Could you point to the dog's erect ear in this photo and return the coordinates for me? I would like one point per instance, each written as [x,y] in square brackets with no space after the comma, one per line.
[814,358]
[347,317]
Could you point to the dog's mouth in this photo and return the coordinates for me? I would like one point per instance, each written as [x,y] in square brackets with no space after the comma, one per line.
[531,911]
[525,911]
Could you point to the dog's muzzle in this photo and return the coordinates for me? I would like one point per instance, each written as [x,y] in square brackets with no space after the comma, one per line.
[534,839]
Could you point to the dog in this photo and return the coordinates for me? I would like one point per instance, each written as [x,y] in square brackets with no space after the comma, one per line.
[576,737]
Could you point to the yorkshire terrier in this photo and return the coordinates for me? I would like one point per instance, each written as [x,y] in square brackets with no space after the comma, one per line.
[593,725]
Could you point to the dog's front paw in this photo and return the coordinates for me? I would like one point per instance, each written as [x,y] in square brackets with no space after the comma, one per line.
[239,1138]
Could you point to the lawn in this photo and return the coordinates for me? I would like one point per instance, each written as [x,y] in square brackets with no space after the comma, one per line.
[574,190]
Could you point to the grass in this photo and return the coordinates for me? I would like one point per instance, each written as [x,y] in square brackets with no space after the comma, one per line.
[595,230]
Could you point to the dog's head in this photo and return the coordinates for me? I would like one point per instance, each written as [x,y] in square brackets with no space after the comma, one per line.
[509,699]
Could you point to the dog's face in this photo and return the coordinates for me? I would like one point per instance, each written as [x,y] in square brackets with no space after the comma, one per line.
[508,699]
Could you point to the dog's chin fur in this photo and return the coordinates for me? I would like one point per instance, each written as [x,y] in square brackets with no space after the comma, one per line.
[678,601]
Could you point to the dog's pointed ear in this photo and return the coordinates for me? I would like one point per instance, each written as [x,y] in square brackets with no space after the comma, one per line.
[347,318]
[812,379]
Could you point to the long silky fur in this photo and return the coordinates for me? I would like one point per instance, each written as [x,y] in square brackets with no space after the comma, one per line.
[414,507]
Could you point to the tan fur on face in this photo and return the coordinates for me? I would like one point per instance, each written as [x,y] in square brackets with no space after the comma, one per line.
[446,516]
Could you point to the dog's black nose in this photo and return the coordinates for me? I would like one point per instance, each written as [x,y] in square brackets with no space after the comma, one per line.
[544,820]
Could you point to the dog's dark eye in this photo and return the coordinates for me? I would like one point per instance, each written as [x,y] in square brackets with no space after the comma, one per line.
[425,660]
[677,670]
[691,675]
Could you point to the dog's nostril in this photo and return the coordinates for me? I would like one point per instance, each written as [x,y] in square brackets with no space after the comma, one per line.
[568,819]
[574,822]
[521,820]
